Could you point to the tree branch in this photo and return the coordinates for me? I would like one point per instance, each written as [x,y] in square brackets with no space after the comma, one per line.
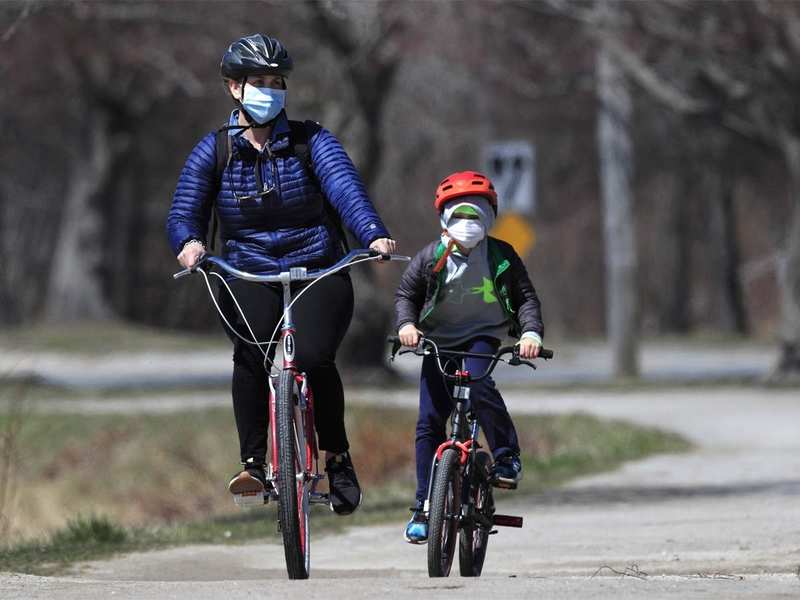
[334,33]
[12,29]
[658,87]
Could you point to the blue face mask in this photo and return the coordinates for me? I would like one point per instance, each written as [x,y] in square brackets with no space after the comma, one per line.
[263,104]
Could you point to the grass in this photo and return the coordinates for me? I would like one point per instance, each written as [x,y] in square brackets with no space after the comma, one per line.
[101,337]
[152,481]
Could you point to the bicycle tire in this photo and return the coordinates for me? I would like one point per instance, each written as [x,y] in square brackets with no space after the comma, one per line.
[292,494]
[474,538]
[444,514]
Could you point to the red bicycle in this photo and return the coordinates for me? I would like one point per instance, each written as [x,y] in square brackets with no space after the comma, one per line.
[460,504]
[293,473]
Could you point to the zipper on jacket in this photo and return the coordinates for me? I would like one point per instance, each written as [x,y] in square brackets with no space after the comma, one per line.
[259,178]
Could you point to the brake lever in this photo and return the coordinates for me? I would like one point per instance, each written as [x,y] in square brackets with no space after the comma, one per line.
[396,345]
[384,256]
[515,360]
[193,269]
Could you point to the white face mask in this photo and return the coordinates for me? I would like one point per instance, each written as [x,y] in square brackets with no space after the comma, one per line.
[467,232]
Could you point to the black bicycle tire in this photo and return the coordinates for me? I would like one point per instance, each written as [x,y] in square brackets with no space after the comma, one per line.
[441,552]
[288,504]
[472,540]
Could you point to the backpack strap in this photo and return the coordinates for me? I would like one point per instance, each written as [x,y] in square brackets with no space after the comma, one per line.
[300,132]
[223,157]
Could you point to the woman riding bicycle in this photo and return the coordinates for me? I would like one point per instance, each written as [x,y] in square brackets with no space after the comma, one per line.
[279,198]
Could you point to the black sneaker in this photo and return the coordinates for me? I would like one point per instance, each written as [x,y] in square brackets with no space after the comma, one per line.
[507,471]
[344,491]
[250,482]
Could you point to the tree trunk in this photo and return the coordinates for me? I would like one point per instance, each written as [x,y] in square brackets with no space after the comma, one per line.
[373,313]
[675,314]
[615,156]
[725,263]
[75,290]
[371,76]
[788,366]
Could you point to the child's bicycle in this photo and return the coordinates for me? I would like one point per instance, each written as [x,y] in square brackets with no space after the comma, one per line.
[460,489]
[292,464]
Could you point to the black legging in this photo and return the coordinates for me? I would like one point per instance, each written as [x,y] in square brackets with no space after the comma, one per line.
[321,317]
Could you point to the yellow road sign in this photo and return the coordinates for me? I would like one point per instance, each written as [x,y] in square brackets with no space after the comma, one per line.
[516,230]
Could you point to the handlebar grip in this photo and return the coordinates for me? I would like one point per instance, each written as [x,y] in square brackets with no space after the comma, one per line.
[546,353]
[383,255]
[389,257]
[190,270]
[396,344]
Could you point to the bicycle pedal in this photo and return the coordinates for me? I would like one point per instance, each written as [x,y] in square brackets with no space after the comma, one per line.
[504,484]
[507,521]
[247,499]
[319,498]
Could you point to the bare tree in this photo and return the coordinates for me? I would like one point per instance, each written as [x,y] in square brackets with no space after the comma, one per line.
[734,66]
[363,39]
[616,165]
[107,86]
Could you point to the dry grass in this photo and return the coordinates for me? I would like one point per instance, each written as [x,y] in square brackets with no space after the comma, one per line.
[146,470]
[9,458]
[100,337]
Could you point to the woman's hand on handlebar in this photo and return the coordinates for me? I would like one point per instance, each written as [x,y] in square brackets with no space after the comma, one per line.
[384,246]
[409,335]
[191,253]
[529,348]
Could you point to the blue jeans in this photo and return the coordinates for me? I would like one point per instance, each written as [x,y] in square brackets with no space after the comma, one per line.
[435,407]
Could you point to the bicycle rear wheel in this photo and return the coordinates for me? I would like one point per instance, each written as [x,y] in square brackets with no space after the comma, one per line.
[444,514]
[474,536]
[293,489]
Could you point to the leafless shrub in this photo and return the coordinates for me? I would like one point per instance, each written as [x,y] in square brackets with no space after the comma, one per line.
[631,570]
[9,453]
[717,575]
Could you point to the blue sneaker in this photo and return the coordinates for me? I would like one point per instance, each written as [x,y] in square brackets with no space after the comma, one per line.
[417,528]
[507,471]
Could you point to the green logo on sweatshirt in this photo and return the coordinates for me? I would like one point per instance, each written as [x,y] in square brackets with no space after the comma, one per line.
[487,289]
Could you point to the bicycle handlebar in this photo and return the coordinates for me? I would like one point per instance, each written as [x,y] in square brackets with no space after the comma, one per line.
[425,343]
[294,273]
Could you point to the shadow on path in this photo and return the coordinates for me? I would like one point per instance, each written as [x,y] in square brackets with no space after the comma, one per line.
[631,494]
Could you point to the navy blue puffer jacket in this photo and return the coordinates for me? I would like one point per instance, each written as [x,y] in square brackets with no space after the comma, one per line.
[285,228]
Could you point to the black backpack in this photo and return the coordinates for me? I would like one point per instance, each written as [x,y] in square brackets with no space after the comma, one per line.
[299,134]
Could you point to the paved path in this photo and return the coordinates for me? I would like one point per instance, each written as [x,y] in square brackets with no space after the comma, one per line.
[576,363]
[721,522]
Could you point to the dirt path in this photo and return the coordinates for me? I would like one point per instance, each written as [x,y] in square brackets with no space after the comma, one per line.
[721,522]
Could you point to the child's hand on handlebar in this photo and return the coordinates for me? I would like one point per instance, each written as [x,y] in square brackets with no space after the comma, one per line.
[409,335]
[529,348]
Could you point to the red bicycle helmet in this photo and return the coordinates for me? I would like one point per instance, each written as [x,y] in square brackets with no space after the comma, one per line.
[465,183]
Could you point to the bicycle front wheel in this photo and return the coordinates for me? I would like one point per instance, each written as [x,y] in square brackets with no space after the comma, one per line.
[474,536]
[293,489]
[444,514]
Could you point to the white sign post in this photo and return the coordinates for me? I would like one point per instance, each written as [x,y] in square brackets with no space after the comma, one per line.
[511,165]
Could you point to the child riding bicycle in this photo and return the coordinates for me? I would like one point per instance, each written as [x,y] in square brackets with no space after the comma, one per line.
[466,291]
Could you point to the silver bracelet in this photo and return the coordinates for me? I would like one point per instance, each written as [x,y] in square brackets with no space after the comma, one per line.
[193,241]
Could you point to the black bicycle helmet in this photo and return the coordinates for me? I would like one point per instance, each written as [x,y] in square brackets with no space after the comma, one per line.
[255,54]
